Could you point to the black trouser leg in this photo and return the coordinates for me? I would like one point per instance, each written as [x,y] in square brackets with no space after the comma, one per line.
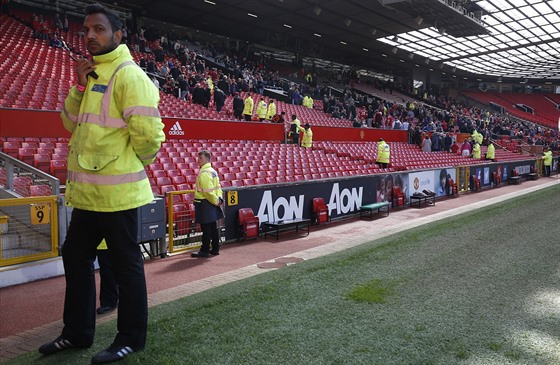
[210,235]
[78,254]
[119,229]
[108,289]
[206,237]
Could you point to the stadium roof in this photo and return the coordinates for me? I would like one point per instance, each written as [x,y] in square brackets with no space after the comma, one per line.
[486,39]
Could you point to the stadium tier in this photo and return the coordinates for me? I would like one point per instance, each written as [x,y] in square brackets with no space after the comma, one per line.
[545,109]
[248,162]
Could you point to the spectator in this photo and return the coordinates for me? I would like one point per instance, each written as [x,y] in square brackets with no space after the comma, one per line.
[155,81]
[279,118]
[219,98]
[466,148]
[427,144]
[447,142]
[237,106]
[294,130]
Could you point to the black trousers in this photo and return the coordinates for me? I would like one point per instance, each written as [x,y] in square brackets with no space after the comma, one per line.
[546,170]
[119,229]
[108,288]
[210,234]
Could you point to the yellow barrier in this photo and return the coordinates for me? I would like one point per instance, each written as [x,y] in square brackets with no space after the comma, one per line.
[28,229]
[463,178]
[183,233]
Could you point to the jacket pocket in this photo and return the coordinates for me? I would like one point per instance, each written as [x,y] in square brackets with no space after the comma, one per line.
[95,162]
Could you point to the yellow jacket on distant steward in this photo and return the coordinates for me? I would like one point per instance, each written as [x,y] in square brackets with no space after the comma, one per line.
[271,111]
[383,152]
[547,158]
[476,150]
[491,152]
[307,140]
[261,109]
[116,131]
[208,185]
[249,104]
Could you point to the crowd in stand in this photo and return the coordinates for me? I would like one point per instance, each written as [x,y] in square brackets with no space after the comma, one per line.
[178,69]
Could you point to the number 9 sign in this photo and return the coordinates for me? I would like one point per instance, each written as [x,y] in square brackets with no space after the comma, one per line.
[40,213]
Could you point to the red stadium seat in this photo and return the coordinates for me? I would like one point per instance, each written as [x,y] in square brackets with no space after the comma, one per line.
[40,190]
[398,198]
[22,184]
[58,170]
[320,210]
[42,162]
[248,223]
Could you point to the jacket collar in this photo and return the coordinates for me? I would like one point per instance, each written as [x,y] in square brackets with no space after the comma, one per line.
[120,51]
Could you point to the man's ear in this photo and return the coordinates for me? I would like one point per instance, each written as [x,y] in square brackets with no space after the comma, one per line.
[117,36]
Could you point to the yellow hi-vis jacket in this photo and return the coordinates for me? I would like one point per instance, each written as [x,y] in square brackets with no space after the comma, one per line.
[249,104]
[491,152]
[547,158]
[477,137]
[476,150]
[116,131]
[383,152]
[307,140]
[271,111]
[208,185]
[261,109]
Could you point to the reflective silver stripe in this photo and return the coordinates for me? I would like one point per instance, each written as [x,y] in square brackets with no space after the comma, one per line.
[97,179]
[69,115]
[106,100]
[141,110]
[104,122]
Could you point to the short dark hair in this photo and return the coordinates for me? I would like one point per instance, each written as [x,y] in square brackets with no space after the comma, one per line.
[116,22]
[205,153]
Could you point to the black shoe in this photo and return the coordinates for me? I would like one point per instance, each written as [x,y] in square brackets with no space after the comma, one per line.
[105,309]
[200,254]
[111,354]
[57,345]
[214,253]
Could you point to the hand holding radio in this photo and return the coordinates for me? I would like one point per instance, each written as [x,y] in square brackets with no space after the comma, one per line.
[85,68]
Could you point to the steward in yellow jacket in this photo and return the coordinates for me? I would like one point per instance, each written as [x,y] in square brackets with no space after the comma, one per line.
[491,152]
[307,101]
[476,150]
[116,131]
[249,104]
[383,153]
[271,111]
[207,201]
[307,140]
[261,110]
[547,162]
[477,137]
